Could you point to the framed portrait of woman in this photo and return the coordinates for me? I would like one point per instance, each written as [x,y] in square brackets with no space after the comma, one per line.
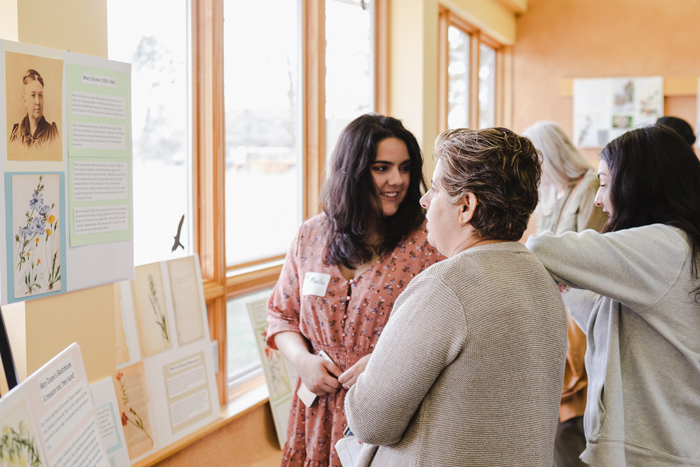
[34,93]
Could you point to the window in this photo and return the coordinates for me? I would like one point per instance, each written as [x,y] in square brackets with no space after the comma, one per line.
[231,107]
[458,75]
[242,351]
[471,81]
[349,59]
[160,96]
[261,90]
[487,86]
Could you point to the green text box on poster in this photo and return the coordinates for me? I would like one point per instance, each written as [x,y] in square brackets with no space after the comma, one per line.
[99,155]
[79,239]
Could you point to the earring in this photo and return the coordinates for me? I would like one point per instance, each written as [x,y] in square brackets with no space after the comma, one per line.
[465,223]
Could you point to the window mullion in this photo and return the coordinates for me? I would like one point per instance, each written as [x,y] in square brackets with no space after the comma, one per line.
[313,102]
[207,43]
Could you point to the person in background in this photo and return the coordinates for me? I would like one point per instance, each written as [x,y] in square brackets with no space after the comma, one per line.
[33,131]
[567,195]
[640,302]
[470,367]
[681,126]
[343,274]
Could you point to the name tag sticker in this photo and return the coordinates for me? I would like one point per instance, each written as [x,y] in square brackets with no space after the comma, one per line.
[315,283]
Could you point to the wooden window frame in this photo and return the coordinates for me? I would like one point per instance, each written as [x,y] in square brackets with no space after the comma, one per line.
[503,93]
[222,282]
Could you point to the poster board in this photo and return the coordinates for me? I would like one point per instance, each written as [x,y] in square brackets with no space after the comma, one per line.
[165,381]
[39,329]
[66,165]
[605,108]
[49,419]
[280,374]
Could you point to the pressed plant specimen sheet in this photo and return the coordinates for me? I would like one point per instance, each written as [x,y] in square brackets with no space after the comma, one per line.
[132,395]
[155,330]
[186,300]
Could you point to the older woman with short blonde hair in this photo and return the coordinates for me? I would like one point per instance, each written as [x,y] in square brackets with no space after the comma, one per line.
[469,369]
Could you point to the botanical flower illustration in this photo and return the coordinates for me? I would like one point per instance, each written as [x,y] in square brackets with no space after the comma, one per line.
[278,380]
[17,448]
[134,419]
[39,224]
[160,317]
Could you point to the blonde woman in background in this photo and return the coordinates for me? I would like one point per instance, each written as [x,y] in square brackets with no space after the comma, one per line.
[567,195]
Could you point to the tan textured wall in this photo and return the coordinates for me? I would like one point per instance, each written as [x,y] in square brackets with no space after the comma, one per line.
[248,441]
[8,20]
[600,38]
[74,25]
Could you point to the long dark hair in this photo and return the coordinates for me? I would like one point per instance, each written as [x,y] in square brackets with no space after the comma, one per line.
[350,200]
[655,178]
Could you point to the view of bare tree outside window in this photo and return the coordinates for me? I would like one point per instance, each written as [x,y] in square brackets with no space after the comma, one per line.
[158,52]
[458,78]
[349,76]
[487,86]
[261,97]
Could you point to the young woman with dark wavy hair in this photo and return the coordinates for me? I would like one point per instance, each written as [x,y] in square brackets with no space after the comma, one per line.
[343,273]
[640,303]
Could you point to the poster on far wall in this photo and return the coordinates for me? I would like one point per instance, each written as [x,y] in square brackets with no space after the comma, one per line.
[605,108]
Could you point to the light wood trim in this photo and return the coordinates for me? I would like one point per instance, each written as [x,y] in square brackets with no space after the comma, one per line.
[443,63]
[252,281]
[566,87]
[673,86]
[382,48]
[209,136]
[313,102]
[508,78]
[217,326]
[209,163]
[459,22]
[255,262]
[213,290]
[486,40]
[474,53]
[498,92]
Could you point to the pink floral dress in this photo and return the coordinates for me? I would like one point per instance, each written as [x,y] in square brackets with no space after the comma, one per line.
[346,322]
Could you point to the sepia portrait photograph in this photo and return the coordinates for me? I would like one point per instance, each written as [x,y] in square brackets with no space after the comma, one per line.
[34,90]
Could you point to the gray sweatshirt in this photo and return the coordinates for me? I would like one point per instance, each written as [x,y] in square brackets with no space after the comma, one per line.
[469,369]
[643,335]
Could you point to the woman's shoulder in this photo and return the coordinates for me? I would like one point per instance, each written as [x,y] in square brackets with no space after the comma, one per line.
[314,227]
[589,184]
[663,238]
[415,243]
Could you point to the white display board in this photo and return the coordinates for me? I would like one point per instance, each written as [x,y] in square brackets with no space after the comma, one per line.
[49,418]
[605,108]
[280,375]
[165,383]
[66,163]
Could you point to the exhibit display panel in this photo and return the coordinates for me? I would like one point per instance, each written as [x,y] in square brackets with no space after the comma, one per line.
[67,163]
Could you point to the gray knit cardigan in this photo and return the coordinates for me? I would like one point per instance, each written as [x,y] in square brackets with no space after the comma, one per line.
[469,370]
